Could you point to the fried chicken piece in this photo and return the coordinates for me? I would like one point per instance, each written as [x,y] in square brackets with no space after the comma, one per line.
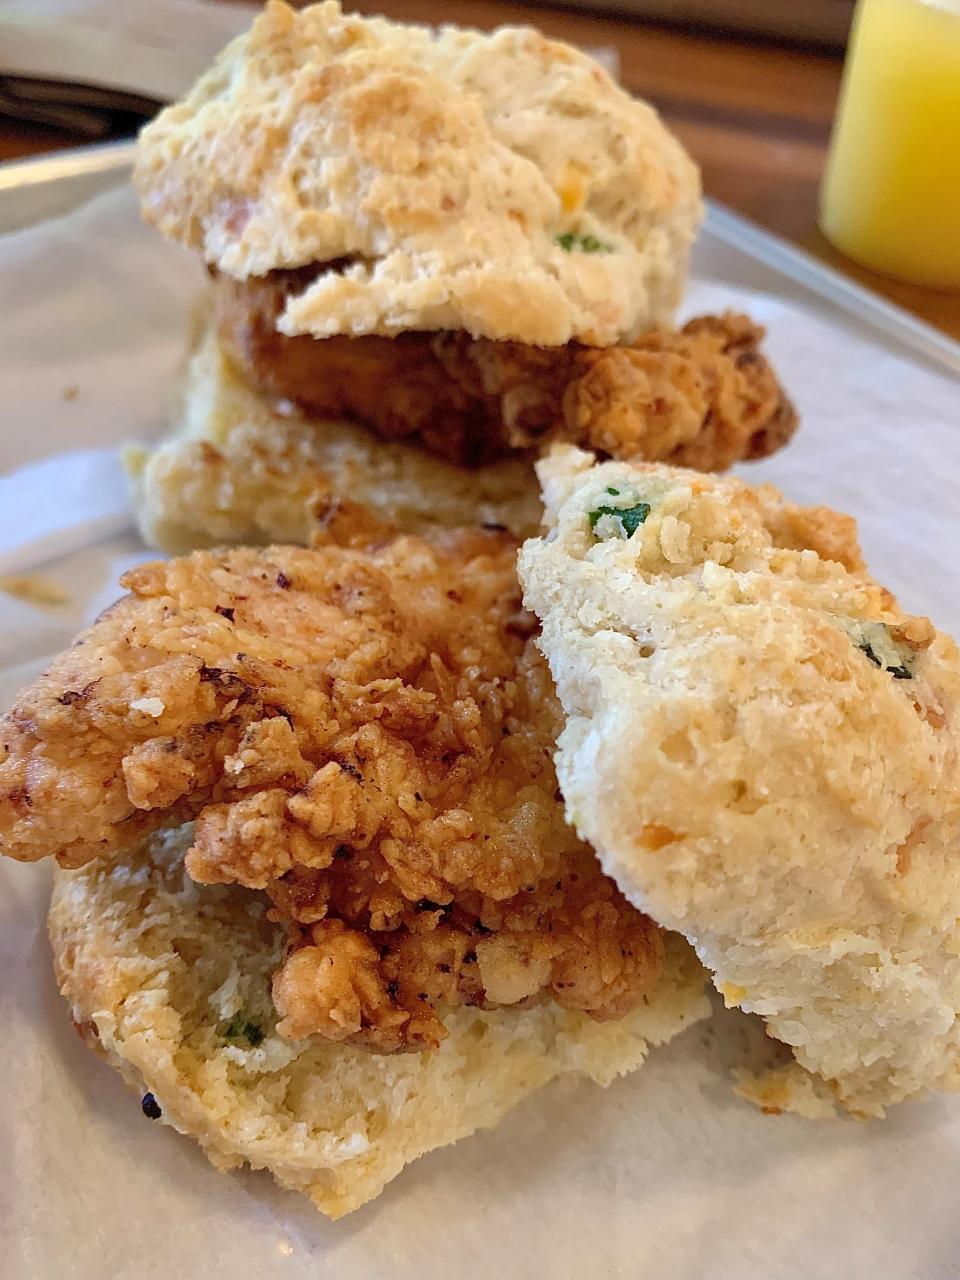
[702,396]
[364,732]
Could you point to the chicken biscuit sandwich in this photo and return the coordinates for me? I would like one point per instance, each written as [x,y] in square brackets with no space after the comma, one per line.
[430,252]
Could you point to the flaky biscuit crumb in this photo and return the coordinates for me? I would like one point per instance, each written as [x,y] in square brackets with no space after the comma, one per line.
[170,981]
[502,184]
[791,738]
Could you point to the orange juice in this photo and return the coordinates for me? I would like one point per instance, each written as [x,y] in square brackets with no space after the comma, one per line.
[891,194]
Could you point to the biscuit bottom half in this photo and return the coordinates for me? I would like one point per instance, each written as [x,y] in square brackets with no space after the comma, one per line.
[235,470]
[170,982]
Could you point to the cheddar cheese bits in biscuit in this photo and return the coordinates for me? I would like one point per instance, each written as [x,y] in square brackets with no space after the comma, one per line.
[461,245]
[763,750]
[313,798]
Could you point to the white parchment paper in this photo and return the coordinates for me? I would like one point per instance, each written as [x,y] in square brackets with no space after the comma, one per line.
[664,1174]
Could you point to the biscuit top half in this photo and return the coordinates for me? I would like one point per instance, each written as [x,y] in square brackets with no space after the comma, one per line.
[765,753]
[435,179]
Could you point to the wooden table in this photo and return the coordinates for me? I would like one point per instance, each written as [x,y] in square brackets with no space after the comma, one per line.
[756,117]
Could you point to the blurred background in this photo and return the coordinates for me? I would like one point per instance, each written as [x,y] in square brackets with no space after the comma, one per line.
[750,86]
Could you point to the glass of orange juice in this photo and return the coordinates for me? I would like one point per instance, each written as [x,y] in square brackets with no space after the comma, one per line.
[891,193]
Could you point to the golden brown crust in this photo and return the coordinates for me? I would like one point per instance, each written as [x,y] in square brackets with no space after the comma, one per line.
[703,396]
[466,176]
[365,733]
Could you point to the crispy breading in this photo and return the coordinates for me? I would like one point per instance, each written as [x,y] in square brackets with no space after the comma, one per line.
[702,396]
[363,732]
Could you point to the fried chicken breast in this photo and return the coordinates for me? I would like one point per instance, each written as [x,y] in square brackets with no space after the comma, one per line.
[362,731]
[702,396]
